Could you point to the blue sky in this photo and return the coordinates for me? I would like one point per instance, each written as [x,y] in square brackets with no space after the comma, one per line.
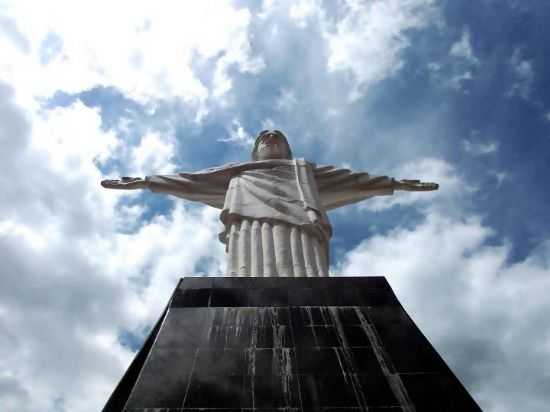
[443,91]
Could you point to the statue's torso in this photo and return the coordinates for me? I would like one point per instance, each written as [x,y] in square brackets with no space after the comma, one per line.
[282,193]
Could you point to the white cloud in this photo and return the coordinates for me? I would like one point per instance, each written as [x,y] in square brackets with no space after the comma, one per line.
[143,49]
[458,70]
[523,70]
[77,269]
[486,316]
[87,291]
[500,177]
[434,67]
[268,124]
[71,135]
[369,39]
[463,49]
[451,185]
[153,154]
[8,27]
[287,100]
[55,165]
[457,80]
[479,148]
[238,134]
[301,10]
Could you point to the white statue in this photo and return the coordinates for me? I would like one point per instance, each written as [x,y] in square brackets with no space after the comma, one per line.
[274,208]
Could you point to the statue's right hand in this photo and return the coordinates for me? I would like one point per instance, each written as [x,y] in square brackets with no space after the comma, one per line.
[126,183]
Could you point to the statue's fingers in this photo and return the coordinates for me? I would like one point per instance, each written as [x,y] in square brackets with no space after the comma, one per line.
[430,186]
[110,183]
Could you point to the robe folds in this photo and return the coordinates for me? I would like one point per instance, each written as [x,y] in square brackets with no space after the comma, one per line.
[274,211]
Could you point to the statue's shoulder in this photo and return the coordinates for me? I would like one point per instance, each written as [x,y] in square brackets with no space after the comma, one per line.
[217,169]
[237,167]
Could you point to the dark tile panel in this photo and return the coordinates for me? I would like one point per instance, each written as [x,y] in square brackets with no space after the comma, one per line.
[408,349]
[305,297]
[271,316]
[283,409]
[277,391]
[378,282]
[278,336]
[269,362]
[438,393]
[268,297]
[220,362]
[315,336]
[342,410]
[371,409]
[215,391]
[229,297]
[164,379]
[233,316]
[326,391]
[228,337]
[226,327]
[319,362]
[371,282]
[191,298]
[303,336]
[355,336]
[343,296]
[278,409]
[196,282]
[311,316]
[347,316]
[376,297]
[227,282]
[202,410]
[325,336]
[362,360]
[376,390]
[336,291]
[185,327]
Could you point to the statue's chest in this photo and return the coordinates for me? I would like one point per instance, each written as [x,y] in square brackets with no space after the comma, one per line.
[266,184]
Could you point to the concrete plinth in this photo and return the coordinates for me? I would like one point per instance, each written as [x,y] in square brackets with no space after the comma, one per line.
[302,344]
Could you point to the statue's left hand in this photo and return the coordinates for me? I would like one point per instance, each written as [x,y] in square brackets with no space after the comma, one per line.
[416,185]
[126,183]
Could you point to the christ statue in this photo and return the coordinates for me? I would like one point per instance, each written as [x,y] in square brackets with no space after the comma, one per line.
[274,208]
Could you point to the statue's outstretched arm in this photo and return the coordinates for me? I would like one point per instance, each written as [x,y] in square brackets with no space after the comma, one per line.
[339,187]
[125,183]
[184,185]
[376,183]
[415,185]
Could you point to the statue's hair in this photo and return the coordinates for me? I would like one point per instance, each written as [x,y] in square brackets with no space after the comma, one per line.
[258,140]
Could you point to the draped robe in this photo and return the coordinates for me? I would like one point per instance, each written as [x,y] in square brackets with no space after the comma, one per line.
[274,211]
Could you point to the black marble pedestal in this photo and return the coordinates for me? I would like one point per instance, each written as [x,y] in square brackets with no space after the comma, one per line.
[341,344]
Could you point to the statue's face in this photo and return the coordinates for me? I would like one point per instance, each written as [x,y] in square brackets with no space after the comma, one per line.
[272,145]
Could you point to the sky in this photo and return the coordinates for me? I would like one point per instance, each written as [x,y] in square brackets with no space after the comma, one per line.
[451,92]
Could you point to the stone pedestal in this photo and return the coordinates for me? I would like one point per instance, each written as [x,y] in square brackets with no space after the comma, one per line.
[341,344]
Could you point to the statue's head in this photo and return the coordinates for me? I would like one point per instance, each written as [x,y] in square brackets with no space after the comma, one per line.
[271,144]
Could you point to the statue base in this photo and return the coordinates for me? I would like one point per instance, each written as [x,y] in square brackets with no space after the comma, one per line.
[302,344]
